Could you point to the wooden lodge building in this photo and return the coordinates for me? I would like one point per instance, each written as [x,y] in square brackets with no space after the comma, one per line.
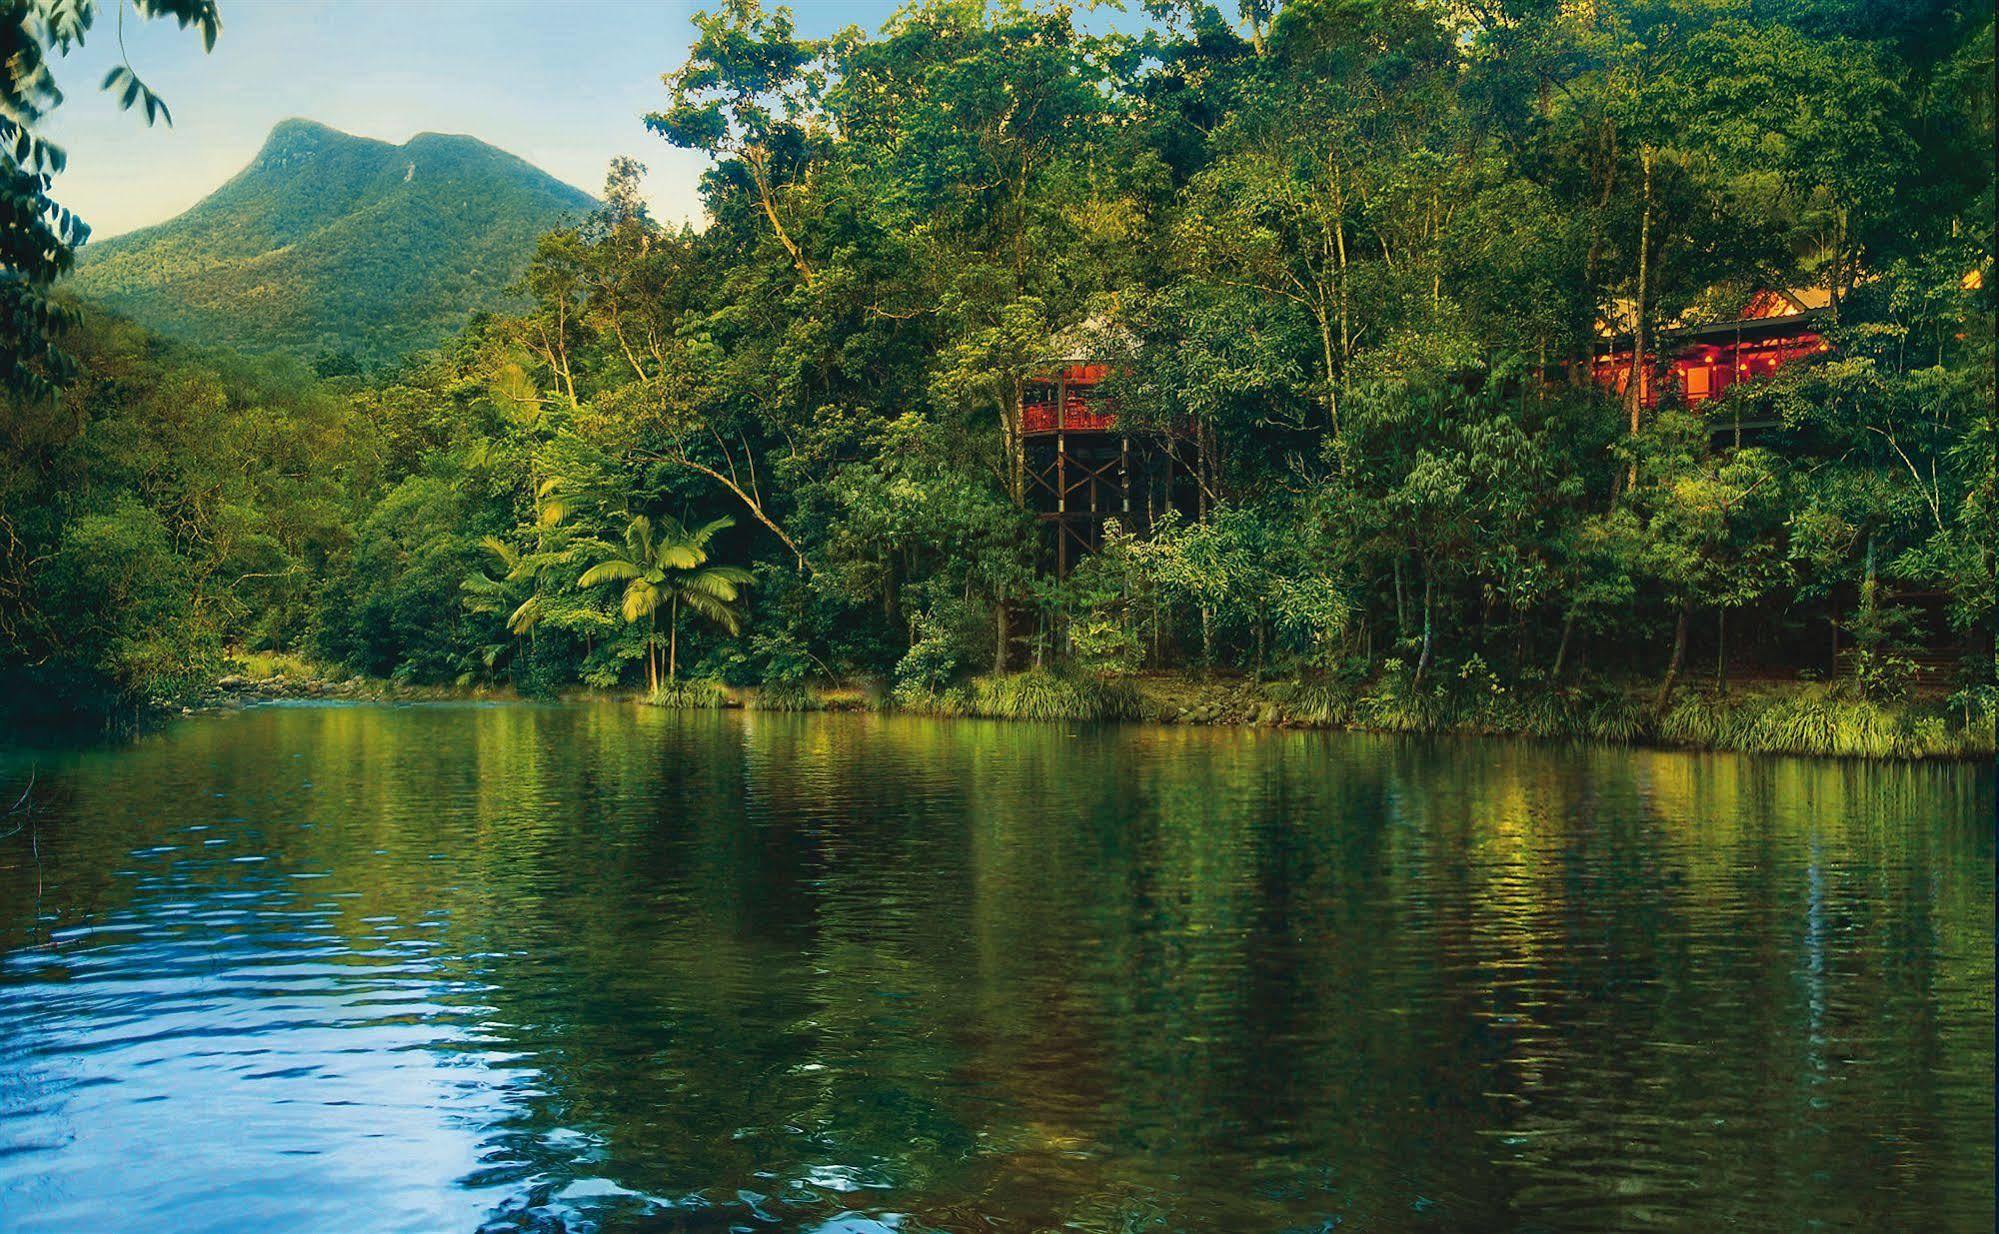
[1700,362]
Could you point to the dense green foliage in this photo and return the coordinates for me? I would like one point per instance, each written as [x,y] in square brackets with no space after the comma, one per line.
[1361,254]
[334,246]
[166,507]
[38,235]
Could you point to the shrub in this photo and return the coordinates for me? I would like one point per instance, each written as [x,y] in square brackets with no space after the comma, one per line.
[786,695]
[929,665]
[1033,695]
[1816,721]
[1318,704]
[690,695]
[1395,704]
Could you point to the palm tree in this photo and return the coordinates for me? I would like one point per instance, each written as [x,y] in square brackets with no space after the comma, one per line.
[489,596]
[669,565]
[486,594]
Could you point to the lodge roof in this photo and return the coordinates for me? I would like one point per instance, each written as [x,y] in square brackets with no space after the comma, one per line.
[1090,341]
[1770,308]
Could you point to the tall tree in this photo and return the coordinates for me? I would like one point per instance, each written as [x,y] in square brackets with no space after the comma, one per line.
[39,236]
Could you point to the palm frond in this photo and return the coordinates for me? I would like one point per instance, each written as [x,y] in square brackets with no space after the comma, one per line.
[515,392]
[609,571]
[713,582]
[709,530]
[508,556]
[639,538]
[640,598]
[483,593]
[678,555]
[714,610]
[527,616]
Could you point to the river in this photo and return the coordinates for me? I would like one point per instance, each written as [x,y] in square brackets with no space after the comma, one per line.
[598,967]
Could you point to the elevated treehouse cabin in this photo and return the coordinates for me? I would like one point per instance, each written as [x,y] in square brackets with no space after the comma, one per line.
[1084,467]
[1701,361]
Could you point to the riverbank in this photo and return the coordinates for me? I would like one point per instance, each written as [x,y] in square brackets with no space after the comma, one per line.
[1770,717]
[1806,718]
[230,692]
[267,677]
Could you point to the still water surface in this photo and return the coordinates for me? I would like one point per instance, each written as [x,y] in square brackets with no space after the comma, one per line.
[572,968]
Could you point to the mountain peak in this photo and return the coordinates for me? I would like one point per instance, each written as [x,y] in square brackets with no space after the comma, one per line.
[331,242]
[297,133]
[295,125]
[428,138]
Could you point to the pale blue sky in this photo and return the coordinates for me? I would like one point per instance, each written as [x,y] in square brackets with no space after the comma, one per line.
[562,83]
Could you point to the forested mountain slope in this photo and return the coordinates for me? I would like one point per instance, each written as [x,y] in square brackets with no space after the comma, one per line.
[331,243]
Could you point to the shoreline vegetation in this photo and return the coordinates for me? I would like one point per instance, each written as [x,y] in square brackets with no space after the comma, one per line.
[1800,718]
[1818,719]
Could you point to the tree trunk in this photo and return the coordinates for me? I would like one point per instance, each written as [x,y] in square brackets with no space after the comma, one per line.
[757,160]
[1013,428]
[1870,594]
[750,501]
[1346,309]
[1332,390]
[1000,637]
[673,643]
[1562,650]
[1835,283]
[1401,606]
[1635,395]
[1721,649]
[1429,590]
[1679,658]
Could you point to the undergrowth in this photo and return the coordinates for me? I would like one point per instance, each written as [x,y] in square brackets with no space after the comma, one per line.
[264,665]
[1819,720]
[690,695]
[1805,719]
[1033,695]
[786,696]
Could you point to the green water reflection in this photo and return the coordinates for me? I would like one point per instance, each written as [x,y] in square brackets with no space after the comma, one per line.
[549,968]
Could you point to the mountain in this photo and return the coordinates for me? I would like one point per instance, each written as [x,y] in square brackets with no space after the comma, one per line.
[329,242]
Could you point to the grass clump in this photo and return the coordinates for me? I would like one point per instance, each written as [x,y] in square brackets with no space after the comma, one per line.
[1821,721]
[1820,724]
[265,665]
[786,696]
[1316,704]
[1033,695]
[1706,721]
[692,695]
[1609,717]
[1396,703]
